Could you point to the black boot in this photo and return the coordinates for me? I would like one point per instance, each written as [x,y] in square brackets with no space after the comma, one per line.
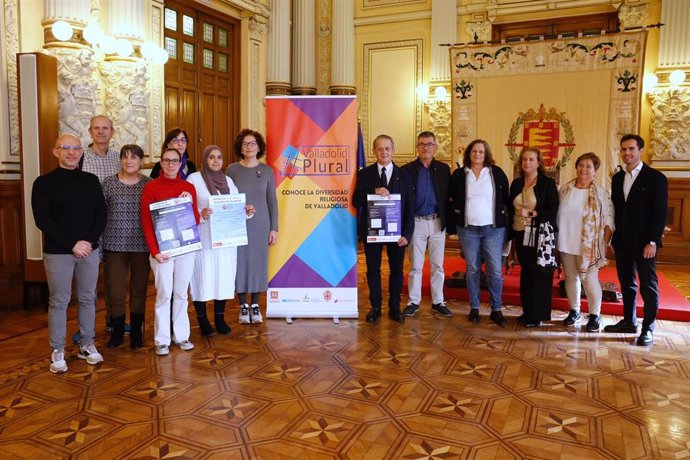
[219,317]
[204,325]
[136,336]
[118,325]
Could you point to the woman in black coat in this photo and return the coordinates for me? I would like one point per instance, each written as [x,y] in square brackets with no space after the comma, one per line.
[534,199]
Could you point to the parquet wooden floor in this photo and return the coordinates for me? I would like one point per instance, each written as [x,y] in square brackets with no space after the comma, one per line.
[432,388]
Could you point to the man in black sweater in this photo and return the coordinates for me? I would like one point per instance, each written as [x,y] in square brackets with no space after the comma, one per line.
[69,208]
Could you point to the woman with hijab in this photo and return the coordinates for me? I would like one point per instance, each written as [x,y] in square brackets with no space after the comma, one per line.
[214,269]
[176,139]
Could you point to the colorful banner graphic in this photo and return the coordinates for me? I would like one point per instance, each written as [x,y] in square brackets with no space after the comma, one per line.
[312,148]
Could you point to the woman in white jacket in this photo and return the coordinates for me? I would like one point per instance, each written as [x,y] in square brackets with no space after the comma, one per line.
[585,223]
[214,269]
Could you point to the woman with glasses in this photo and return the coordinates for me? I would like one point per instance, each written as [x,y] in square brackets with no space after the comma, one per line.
[214,269]
[125,250]
[176,139]
[255,179]
[171,274]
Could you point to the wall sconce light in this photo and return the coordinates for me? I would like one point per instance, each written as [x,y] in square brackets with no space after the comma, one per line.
[62,30]
[676,77]
[103,44]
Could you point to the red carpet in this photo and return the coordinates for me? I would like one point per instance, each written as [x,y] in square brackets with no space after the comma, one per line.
[672,305]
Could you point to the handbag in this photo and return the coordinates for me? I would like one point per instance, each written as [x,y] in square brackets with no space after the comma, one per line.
[610,292]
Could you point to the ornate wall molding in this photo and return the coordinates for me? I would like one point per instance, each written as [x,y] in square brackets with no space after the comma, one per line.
[369,48]
[324,44]
[156,88]
[439,119]
[126,101]
[479,31]
[379,3]
[79,92]
[11,47]
[633,15]
[670,124]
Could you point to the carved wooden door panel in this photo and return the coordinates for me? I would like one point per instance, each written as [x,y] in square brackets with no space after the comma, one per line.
[201,87]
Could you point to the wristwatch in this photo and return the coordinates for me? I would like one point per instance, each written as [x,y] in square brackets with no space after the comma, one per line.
[652,243]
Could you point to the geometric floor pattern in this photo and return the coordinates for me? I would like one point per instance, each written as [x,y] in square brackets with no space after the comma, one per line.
[432,388]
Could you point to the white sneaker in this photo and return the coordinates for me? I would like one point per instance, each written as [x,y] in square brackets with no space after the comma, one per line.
[90,354]
[244,314]
[185,345]
[58,364]
[162,350]
[256,313]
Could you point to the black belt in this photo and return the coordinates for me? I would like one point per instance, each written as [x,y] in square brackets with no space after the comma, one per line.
[429,217]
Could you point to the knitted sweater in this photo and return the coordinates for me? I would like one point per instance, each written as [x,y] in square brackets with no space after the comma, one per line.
[68,206]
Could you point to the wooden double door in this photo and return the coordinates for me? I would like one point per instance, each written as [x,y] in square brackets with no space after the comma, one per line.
[202,77]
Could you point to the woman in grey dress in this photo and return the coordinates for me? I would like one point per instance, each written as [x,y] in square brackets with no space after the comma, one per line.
[255,179]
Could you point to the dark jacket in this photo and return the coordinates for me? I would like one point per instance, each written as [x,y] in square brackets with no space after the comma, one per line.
[367,181]
[642,217]
[458,195]
[547,200]
[440,176]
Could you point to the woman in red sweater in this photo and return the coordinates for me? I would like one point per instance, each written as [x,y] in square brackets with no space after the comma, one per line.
[172,274]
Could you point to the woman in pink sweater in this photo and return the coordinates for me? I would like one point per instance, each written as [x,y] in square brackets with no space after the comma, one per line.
[172,274]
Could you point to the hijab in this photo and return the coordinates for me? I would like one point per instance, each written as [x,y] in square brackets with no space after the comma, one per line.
[216,181]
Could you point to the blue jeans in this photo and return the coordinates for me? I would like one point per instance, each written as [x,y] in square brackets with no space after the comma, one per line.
[485,242]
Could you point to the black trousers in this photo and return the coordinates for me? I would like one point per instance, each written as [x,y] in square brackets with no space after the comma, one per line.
[396,257]
[536,285]
[630,265]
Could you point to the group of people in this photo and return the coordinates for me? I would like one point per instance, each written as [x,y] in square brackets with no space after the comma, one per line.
[548,227]
[95,207]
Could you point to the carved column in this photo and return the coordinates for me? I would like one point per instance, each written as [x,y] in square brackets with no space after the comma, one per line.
[125,79]
[670,127]
[254,115]
[343,77]
[304,48]
[443,30]
[278,78]
[78,89]
[74,13]
[127,19]
[9,133]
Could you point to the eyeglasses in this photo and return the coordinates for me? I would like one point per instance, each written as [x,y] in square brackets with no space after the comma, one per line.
[249,144]
[426,145]
[170,161]
[178,140]
[76,148]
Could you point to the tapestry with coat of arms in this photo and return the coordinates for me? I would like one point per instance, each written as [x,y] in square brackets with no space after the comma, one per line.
[566,96]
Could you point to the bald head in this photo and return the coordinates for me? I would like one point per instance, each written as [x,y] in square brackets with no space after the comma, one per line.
[68,151]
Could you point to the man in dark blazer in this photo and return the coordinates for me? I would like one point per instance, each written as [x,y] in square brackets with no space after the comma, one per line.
[430,182]
[394,180]
[639,194]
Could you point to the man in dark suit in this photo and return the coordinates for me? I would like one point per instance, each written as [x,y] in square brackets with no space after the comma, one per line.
[639,194]
[384,178]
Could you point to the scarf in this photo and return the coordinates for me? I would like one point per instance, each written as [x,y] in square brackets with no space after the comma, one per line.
[592,226]
[216,182]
